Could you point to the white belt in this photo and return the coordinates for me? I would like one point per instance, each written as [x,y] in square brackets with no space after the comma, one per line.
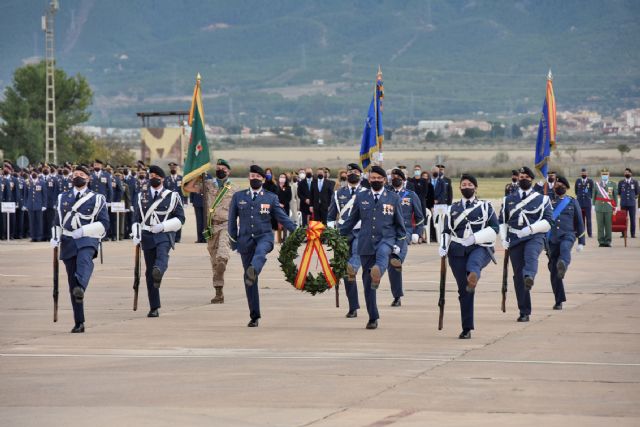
[513,230]
[456,239]
[67,233]
[145,227]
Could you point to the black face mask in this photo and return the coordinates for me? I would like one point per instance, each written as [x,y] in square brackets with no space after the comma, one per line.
[551,180]
[65,173]
[514,180]
[255,183]
[141,177]
[343,178]
[468,193]
[560,190]
[125,171]
[353,178]
[435,175]
[584,176]
[309,175]
[45,173]
[376,185]
[155,182]
[220,174]
[34,175]
[96,169]
[79,181]
[396,182]
[320,176]
[525,184]
[627,175]
[173,171]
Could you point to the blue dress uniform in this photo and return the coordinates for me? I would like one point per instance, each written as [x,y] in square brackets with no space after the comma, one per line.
[116,196]
[198,205]
[132,186]
[584,194]
[153,207]
[174,183]
[339,210]
[36,204]
[3,220]
[523,213]
[628,192]
[540,189]
[84,210]
[250,233]
[411,211]
[466,218]
[566,228]
[53,190]
[101,183]
[22,223]
[382,228]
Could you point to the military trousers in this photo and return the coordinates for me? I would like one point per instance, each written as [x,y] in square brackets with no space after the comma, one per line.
[255,255]
[351,288]
[461,266]
[218,247]
[559,251]
[35,225]
[586,219]
[524,260]
[631,213]
[395,276]
[381,259]
[157,256]
[79,269]
[604,221]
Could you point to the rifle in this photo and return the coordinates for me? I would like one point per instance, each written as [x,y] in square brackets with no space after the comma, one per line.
[136,277]
[505,273]
[101,259]
[337,294]
[443,279]
[55,283]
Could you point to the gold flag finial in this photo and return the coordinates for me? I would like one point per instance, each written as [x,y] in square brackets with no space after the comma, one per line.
[198,78]
[549,76]
[379,72]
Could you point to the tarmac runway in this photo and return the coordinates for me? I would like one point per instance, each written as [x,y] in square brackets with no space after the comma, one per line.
[307,365]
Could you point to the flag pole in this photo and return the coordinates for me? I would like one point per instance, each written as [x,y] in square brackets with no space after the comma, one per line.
[377,112]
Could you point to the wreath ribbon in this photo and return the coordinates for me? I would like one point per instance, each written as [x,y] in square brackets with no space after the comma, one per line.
[314,231]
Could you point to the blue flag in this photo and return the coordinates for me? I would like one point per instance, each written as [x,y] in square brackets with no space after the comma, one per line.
[546,130]
[373,133]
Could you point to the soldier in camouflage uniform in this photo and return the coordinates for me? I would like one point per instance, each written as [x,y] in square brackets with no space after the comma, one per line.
[218,197]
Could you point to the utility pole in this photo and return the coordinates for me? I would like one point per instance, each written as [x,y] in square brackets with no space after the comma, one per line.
[51,152]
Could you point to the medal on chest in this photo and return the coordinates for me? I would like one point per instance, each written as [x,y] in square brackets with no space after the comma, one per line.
[387,209]
[265,208]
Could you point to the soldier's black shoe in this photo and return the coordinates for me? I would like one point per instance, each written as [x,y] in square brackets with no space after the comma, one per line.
[156,274]
[523,318]
[372,324]
[78,329]
[250,276]
[78,294]
[376,276]
[351,273]
[396,302]
[153,313]
[465,334]
[396,262]
[562,269]
[528,282]
[253,323]
[558,306]
[351,314]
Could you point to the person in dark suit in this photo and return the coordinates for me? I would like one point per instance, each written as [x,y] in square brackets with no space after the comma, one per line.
[304,195]
[584,193]
[448,199]
[321,194]
[429,203]
[284,197]
[420,186]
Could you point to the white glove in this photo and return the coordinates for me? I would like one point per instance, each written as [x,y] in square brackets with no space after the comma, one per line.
[44,208]
[396,249]
[505,244]
[54,243]
[131,209]
[136,240]
[414,238]
[442,251]
[77,233]
[579,248]
[24,208]
[331,224]
[158,228]
[108,205]
[468,241]
[524,232]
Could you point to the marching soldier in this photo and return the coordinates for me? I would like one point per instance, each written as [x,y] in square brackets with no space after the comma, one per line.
[219,194]
[584,194]
[524,220]
[470,231]
[567,226]
[35,204]
[340,209]
[628,192]
[604,199]
[117,191]
[546,187]
[252,236]
[512,187]
[381,234]
[158,215]
[411,211]
[51,181]
[81,221]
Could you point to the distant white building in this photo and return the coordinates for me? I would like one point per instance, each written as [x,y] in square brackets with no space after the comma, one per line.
[434,126]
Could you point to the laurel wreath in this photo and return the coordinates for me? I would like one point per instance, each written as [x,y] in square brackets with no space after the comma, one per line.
[314,284]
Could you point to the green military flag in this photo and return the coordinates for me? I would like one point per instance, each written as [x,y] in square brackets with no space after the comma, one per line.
[198,161]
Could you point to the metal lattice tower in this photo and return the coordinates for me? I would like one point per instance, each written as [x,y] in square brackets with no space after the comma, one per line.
[51,153]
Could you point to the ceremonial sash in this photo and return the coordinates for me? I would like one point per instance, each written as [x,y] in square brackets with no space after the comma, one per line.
[560,207]
[219,197]
[605,196]
[153,206]
[314,231]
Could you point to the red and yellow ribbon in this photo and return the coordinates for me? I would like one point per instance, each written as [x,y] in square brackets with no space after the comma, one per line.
[314,231]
